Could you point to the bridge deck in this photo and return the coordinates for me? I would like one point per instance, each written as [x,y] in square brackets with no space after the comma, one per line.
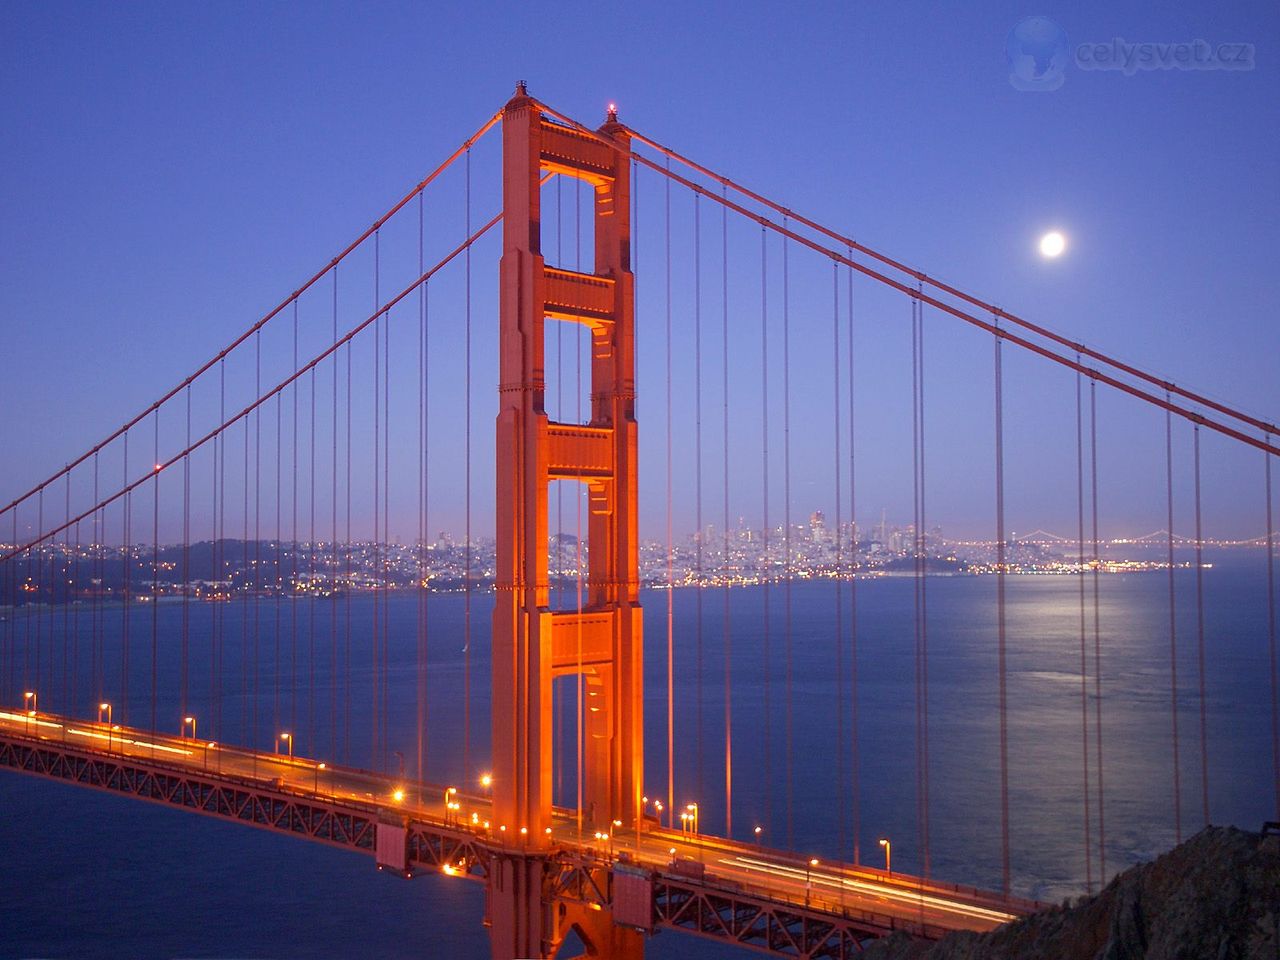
[711,886]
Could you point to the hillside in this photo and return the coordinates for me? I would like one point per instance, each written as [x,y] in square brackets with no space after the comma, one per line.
[1215,897]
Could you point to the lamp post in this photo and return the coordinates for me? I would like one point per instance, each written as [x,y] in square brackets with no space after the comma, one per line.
[693,817]
[316,788]
[29,704]
[808,878]
[106,707]
[287,738]
[185,722]
[211,743]
[757,831]
[888,853]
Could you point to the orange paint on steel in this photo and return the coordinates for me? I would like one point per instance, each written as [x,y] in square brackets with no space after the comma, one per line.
[533,643]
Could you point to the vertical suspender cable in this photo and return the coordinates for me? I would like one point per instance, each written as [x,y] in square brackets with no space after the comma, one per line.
[387,511]
[1204,727]
[346,569]
[766,574]
[924,606]
[220,500]
[127,554]
[71,573]
[312,562]
[279,580]
[728,635]
[671,763]
[246,737]
[420,588]
[1001,637]
[915,563]
[1084,663]
[186,565]
[1271,633]
[295,546]
[786,514]
[697,444]
[855,758]
[376,647]
[155,564]
[257,525]
[1173,626]
[333,541]
[842,786]
[466,645]
[1097,634]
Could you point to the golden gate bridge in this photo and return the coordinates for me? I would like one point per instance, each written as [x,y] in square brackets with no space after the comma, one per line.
[295,435]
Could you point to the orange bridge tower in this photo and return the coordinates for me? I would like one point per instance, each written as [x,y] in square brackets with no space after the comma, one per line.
[532,642]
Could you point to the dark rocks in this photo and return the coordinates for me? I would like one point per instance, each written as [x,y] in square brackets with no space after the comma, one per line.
[1215,897]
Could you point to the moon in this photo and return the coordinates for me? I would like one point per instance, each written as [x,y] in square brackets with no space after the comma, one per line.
[1052,244]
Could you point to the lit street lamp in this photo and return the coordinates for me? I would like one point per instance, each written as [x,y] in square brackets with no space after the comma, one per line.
[316,789]
[192,722]
[29,697]
[288,740]
[888,853]
[757,831]
[808,877]
[104,708]
[211,743]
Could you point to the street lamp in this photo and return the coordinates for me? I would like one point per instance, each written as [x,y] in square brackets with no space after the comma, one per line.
[104,708]
[808,883]
[888,852]
[757,831]
[29,697]
[486,780]
[211,743]
[316,788]
[185,721]
[693,816]
[288,740]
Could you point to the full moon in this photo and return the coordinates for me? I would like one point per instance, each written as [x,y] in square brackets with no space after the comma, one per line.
[1052,244]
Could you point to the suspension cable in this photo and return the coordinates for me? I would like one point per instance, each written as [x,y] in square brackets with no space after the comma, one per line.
[789,756]
[922,277]
[1001,636]
[842,788]
[767,573]
[1204,727]
[1097,633]
[855,758]
[1271,636]
[222,355]
[1084,665]
[697,485]
[1173,631]
[671,775]
[724,573]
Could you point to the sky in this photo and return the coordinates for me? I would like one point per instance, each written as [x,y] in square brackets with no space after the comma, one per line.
[172,171]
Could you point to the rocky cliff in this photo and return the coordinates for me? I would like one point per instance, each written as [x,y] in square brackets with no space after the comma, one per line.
[1215,897]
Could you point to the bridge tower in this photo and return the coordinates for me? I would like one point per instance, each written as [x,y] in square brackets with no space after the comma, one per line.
[533,643]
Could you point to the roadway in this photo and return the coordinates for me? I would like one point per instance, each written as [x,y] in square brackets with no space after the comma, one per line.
[750,869]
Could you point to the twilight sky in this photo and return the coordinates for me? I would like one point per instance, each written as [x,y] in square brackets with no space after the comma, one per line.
[173,171]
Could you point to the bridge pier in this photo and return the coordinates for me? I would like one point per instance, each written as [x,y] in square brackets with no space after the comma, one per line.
[527,920]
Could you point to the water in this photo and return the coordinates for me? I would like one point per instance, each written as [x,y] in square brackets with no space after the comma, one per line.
[92,875]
